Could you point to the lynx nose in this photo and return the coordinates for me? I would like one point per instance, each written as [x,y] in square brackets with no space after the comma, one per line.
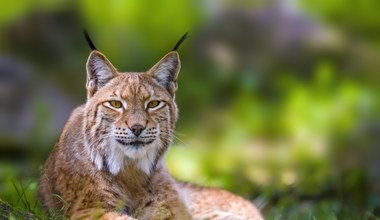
[137,129]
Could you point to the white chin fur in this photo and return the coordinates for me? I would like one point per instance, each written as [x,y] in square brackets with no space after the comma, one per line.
[143,157]
[118,155]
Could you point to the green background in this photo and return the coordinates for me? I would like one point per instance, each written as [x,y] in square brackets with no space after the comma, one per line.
[279,100]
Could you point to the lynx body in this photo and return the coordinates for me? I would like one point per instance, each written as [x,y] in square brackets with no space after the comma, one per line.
[108,162]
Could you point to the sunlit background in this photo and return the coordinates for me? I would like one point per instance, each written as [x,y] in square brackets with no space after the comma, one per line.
[279,100]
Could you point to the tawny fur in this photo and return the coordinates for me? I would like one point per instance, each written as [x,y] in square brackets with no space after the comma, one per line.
[100,169]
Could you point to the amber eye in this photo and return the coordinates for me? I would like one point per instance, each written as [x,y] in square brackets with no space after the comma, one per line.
[153,104]
[115,104]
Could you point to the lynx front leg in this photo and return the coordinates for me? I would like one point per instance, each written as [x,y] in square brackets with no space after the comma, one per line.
[168,201]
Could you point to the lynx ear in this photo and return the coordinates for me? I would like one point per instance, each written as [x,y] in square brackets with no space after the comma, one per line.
[99,72]
[166,71]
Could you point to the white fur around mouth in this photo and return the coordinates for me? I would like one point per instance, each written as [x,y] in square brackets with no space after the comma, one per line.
[142,154]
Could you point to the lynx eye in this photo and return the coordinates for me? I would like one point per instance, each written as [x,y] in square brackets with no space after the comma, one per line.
[115,104]
[153,104]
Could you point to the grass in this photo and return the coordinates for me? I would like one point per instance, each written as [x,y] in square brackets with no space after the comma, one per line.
[22,201]
[18,200]
[26,207]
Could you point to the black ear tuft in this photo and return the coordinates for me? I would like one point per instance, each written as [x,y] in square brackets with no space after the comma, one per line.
[89,41]
[180,41]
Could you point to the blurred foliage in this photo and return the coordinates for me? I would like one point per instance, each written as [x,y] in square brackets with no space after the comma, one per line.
[278,99]
[339,12]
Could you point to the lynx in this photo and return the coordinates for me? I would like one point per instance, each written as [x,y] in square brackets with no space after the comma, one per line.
[109,160]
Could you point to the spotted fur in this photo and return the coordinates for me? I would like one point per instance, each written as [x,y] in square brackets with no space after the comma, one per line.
[108,161]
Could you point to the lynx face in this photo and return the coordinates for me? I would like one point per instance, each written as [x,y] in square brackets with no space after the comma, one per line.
[130,116]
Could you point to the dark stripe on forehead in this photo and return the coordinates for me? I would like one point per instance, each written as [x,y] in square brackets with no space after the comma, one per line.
[131,85]
[138,89]
[114,94]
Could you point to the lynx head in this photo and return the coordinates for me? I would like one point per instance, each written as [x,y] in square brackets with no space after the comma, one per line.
[130,116]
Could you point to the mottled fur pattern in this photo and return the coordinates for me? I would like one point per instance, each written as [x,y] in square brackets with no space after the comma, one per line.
[108,162]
